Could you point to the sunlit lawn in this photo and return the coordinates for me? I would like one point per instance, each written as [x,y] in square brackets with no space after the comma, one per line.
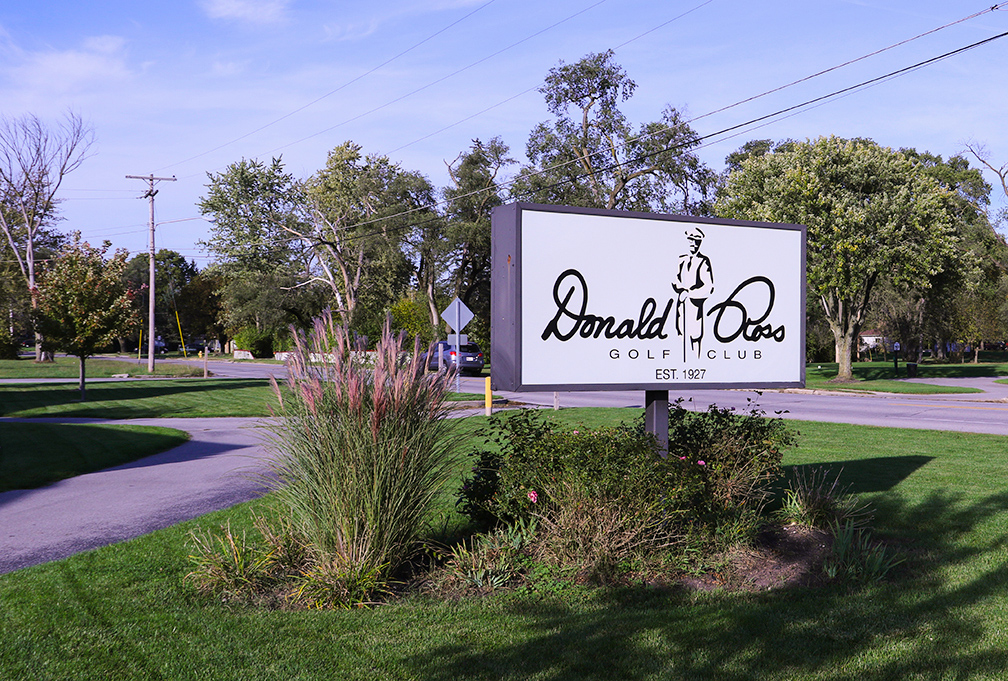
[881,376]
[69,367]
[125,612]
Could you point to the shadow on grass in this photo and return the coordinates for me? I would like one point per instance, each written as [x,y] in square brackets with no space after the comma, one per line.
[940,617]
[116,400]
[877,474]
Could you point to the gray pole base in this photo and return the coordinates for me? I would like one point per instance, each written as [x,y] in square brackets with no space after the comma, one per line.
[656,417]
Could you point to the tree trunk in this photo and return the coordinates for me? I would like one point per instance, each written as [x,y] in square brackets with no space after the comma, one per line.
[844,343]
[81,384]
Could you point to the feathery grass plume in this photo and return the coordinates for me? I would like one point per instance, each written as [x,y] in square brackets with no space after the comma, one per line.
[360,447]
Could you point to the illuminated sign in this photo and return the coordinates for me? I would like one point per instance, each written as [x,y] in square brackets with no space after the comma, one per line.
[607,300]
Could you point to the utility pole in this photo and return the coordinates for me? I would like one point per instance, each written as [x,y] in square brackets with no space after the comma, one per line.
[150,308]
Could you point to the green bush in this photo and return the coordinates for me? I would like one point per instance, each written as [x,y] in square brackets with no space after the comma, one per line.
[740,455]
[259,343]
[605,495]
[8,346]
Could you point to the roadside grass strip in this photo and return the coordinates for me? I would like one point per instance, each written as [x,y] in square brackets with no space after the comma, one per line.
[125,611]
[141,399]
[881,377]
[36,454]
[69,367]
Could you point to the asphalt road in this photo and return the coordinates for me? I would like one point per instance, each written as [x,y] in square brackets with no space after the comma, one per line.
[217,467]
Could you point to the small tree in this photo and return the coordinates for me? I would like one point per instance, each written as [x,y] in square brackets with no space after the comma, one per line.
[34,159]
[83,302]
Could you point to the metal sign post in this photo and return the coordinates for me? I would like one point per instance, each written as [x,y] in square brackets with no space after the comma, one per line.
[457,316]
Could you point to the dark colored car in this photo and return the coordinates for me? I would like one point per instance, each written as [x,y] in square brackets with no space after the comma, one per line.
[469,359]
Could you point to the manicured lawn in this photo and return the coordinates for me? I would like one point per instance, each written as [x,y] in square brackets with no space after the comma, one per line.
[189,397]
[124,611]
[881,377]
[36,454]
[69,367]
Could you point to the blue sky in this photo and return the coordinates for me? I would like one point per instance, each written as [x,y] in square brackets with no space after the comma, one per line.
[186,87]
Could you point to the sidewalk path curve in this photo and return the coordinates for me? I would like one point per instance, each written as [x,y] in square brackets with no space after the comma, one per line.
[214,470]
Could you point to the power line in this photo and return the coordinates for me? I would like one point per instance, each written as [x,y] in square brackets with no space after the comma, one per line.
[765,119]
[341,87]
[739,126]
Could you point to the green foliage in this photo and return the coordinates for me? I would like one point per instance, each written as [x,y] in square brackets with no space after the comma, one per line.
[228,565]
[871,213]
[495,559]
[855,558]
[259,343]
[605,495]
[363,212]
[411,314]
[8,346]
[360,451]
[83,302]
[591,156]
[737,456]
[816,499]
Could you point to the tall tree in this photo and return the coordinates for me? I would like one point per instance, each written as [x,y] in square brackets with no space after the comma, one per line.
[83,302]
[589,155]
[475,191]
[34,159]
[361,208]
[173,273]
[870,213]
[256,211]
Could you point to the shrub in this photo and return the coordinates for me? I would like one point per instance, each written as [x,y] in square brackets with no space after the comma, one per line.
[605,496]
[228,565]
[259,343]
[741,452]
[856,558]
[816,499]
[8,346]
[359,454]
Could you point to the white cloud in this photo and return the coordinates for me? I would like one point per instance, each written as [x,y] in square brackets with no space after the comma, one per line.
[249,11]
[100,61]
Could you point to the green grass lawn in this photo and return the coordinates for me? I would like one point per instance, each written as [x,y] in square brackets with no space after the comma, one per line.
[149,399]
[36,454]
[69,367]
[189,397]
[124,612]
[881,376]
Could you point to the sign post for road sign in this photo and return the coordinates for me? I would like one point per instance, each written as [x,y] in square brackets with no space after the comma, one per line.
[457,316]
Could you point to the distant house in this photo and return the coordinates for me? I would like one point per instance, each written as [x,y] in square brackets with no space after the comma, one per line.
[870,340]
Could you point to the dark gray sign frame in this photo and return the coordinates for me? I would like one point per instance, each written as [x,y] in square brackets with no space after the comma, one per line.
[506,301]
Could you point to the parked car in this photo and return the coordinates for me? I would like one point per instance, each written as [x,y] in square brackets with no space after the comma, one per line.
[469,359]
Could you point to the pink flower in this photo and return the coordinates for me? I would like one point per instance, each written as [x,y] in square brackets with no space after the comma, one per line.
[700,463]
[682,458]
[575,432]
[533,497]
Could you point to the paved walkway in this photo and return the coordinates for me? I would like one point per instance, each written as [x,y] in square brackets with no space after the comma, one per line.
[214,470]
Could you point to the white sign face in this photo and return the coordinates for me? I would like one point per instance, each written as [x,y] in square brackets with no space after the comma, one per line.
[609,300]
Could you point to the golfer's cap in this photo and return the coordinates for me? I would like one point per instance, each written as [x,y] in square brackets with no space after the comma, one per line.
[694,233]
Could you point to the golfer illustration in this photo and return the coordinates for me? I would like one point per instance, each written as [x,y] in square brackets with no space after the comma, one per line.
[694,283]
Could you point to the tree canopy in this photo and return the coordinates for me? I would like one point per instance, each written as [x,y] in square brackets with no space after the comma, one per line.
[83,301]
[870,211]
[590,155]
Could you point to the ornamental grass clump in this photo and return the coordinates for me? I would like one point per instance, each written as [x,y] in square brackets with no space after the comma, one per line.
[360,452]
